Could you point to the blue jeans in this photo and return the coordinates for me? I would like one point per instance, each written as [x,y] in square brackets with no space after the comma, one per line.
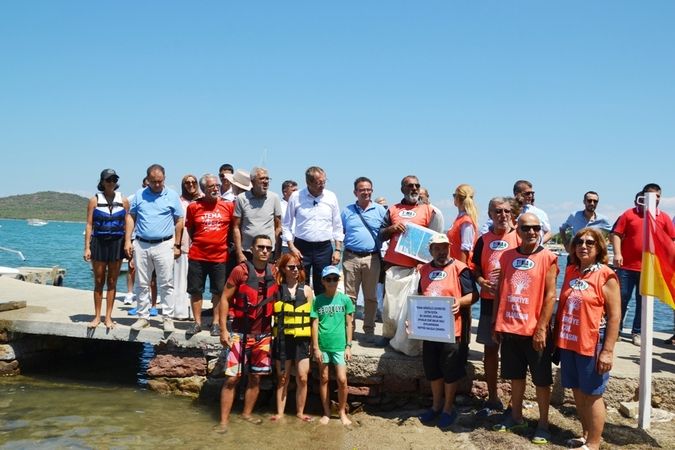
[630,281]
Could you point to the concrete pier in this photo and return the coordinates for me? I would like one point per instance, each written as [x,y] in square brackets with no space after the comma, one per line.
[65,312]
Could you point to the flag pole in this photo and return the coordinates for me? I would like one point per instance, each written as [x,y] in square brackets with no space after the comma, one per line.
[647,328]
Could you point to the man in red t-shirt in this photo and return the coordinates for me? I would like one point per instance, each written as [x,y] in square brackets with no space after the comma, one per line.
[207,221]
[627,242]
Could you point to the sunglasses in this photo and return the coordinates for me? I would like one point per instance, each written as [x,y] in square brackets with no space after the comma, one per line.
[591,201]
[502,211]
[111,180]
[413,185]
[586,242]
[264,247]
[331,279]
[190,182]
[528,193]
[292,267]
[526,228]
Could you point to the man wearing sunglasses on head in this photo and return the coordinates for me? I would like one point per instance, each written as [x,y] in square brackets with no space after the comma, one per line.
[524,298]
[586,218]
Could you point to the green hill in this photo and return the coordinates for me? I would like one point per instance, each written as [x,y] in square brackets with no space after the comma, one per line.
[44,205]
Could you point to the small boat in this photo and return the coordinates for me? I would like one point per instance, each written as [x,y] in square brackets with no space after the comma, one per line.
[36,222]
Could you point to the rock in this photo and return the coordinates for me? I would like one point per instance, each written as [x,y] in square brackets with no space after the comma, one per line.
[660,415]
[7,352]
[393,383]
[10,368]
[4,336]
[159,385]
[629,409]
[364,391]
[176,366]
[656,401]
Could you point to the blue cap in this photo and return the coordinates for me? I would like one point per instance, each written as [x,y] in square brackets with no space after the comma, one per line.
[330,270]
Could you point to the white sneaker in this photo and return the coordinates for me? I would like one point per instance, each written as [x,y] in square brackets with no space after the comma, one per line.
[636,340]
[129,299]
[168,325]
[140,324]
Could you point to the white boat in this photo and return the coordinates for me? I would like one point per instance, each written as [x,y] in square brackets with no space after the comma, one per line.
[40,275]
[36,222]
[9,272]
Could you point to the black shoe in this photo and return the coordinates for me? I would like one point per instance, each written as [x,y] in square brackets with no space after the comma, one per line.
[194,329]
[215,330]
[381,342]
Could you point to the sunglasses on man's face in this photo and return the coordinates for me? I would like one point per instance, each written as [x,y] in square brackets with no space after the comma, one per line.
[264,247]
[526,228]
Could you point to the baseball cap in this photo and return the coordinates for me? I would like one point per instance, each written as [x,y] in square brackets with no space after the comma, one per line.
[330,270]
[439,239]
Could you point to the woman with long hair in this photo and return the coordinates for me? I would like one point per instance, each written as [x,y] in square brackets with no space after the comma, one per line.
[189,192]
[104,242]
[292,331]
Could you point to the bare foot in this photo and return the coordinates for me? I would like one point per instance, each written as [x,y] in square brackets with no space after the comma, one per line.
[94,323]
[251,420]
[324,420]
[277,417]
[109,324]
[304,417]
[221,428]
[345,420]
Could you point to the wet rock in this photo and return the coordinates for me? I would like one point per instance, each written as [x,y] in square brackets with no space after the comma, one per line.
[176,366]
[7,352]
[189,387]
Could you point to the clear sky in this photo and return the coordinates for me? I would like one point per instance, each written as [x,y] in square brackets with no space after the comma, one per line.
[573,96]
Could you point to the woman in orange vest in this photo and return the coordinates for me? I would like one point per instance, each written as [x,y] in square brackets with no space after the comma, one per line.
[462,236]
[587,328]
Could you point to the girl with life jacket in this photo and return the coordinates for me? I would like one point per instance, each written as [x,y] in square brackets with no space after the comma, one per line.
[292,331]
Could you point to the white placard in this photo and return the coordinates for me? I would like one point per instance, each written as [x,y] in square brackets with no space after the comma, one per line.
[431,318]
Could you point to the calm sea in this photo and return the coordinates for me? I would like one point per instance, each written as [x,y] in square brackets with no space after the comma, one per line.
[61,243]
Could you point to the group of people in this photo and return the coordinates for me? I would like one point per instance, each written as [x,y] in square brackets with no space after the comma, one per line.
[232,228]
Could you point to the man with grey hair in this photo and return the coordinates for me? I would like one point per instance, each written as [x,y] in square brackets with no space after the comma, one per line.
[156,214]
[409,210]
[207,221]
[256,212]
[312,226]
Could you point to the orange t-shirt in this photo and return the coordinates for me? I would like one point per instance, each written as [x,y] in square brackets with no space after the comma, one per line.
[491,249]
[437,282]
[417,214]
[455,237]
[521,292]
[581,309]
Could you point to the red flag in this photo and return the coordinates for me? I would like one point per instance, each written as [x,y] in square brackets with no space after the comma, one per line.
[658,263]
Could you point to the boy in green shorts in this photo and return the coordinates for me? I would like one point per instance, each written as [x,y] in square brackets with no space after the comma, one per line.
[331,316]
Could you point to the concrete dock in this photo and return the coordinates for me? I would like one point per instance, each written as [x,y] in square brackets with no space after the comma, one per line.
[62,311]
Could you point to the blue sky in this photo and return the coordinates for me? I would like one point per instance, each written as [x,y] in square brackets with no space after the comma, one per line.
[570,95]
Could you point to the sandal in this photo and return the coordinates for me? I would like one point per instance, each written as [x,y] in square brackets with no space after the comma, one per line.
[252,420]
[575,442]
[541,437]
[509,424]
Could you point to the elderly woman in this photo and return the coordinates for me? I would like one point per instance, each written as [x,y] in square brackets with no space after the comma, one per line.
[587,328]
[104,242]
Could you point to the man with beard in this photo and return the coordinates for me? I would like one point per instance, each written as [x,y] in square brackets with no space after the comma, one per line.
[256,212]
[409,210]
[587,217]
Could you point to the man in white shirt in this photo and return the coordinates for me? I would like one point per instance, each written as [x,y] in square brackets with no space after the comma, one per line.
[287,188]
[312,224]
[225,184]
[523,191]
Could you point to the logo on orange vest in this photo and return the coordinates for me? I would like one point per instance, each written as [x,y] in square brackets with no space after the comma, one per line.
[523,264]
[499,245]
[438,275]
[578,284]
[407,213]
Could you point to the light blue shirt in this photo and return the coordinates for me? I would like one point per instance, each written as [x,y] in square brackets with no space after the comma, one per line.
[358,238]
[577,221]
[155,214]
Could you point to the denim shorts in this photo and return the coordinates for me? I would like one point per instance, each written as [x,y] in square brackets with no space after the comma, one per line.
[579,371]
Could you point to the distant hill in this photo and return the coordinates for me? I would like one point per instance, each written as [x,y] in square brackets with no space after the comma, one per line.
[44,205]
